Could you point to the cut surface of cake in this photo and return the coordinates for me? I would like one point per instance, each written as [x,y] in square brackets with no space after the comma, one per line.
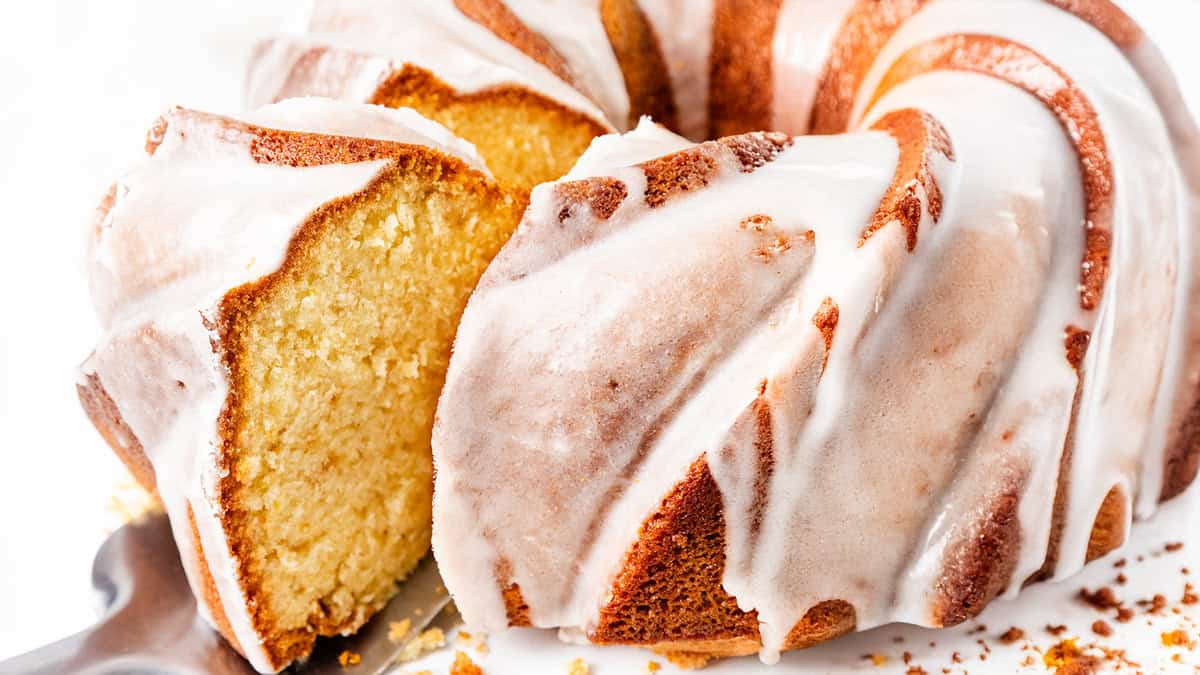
[279,293]
[774,389]
[530,83]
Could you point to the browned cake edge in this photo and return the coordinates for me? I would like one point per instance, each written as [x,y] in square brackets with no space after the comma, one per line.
[741,92]
[642,63]
[495,16]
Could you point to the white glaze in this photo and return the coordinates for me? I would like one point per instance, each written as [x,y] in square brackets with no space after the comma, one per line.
[947,387]
[612,151]
[431,34]
[804,31]
[194,220]
[1129,340]
[684,31]
[576,32]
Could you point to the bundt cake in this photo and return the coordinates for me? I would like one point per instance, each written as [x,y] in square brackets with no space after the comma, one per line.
[529,82]
[279,293]
[755,393]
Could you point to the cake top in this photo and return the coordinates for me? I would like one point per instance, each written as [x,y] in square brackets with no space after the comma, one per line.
[163,238]
[368,39]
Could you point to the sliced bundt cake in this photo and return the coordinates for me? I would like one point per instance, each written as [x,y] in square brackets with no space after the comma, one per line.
[279,293]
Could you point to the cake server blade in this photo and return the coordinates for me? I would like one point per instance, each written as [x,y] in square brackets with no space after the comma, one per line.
[422,596]
[150,625]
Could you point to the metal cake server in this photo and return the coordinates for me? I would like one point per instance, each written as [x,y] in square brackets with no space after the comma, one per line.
[150,625]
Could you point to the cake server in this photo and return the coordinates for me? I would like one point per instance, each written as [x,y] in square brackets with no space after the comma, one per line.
[150,625]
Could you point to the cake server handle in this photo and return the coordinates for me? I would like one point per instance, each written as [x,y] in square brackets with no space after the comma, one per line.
[150,625]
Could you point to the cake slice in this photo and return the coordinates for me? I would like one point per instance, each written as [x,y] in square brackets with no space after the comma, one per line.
[279,294]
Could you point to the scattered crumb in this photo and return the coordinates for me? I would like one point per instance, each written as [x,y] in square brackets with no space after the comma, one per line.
[427,641]
[1125,615]
[420,672]
[686,660]
[1174,546]
[1102,598]
[1158,603]
[397,630]
[1102,628]
[129,501]
[476,640]
[1121,579]
[1177,638]
[653,667]
[1012,635]
[578,667]
[877,659]
[1120,563]
[349,659]
[1068,658]
[915,670]
[463,665]
[1056,630]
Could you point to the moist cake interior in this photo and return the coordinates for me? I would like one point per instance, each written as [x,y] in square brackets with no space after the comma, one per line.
[340,361]
[523,142]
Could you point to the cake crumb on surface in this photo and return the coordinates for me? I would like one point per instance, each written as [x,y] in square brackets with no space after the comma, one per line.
[1102,598]
[1068,659]
[685,660]
[397,630]
[463,665]
[129,501]
[653,667]
[349,659]
[1011,635]
[478,641]
[427,641]
[1177,638]
[1101,628]
[578,667]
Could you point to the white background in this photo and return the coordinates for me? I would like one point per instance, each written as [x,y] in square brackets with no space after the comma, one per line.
[79,85]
